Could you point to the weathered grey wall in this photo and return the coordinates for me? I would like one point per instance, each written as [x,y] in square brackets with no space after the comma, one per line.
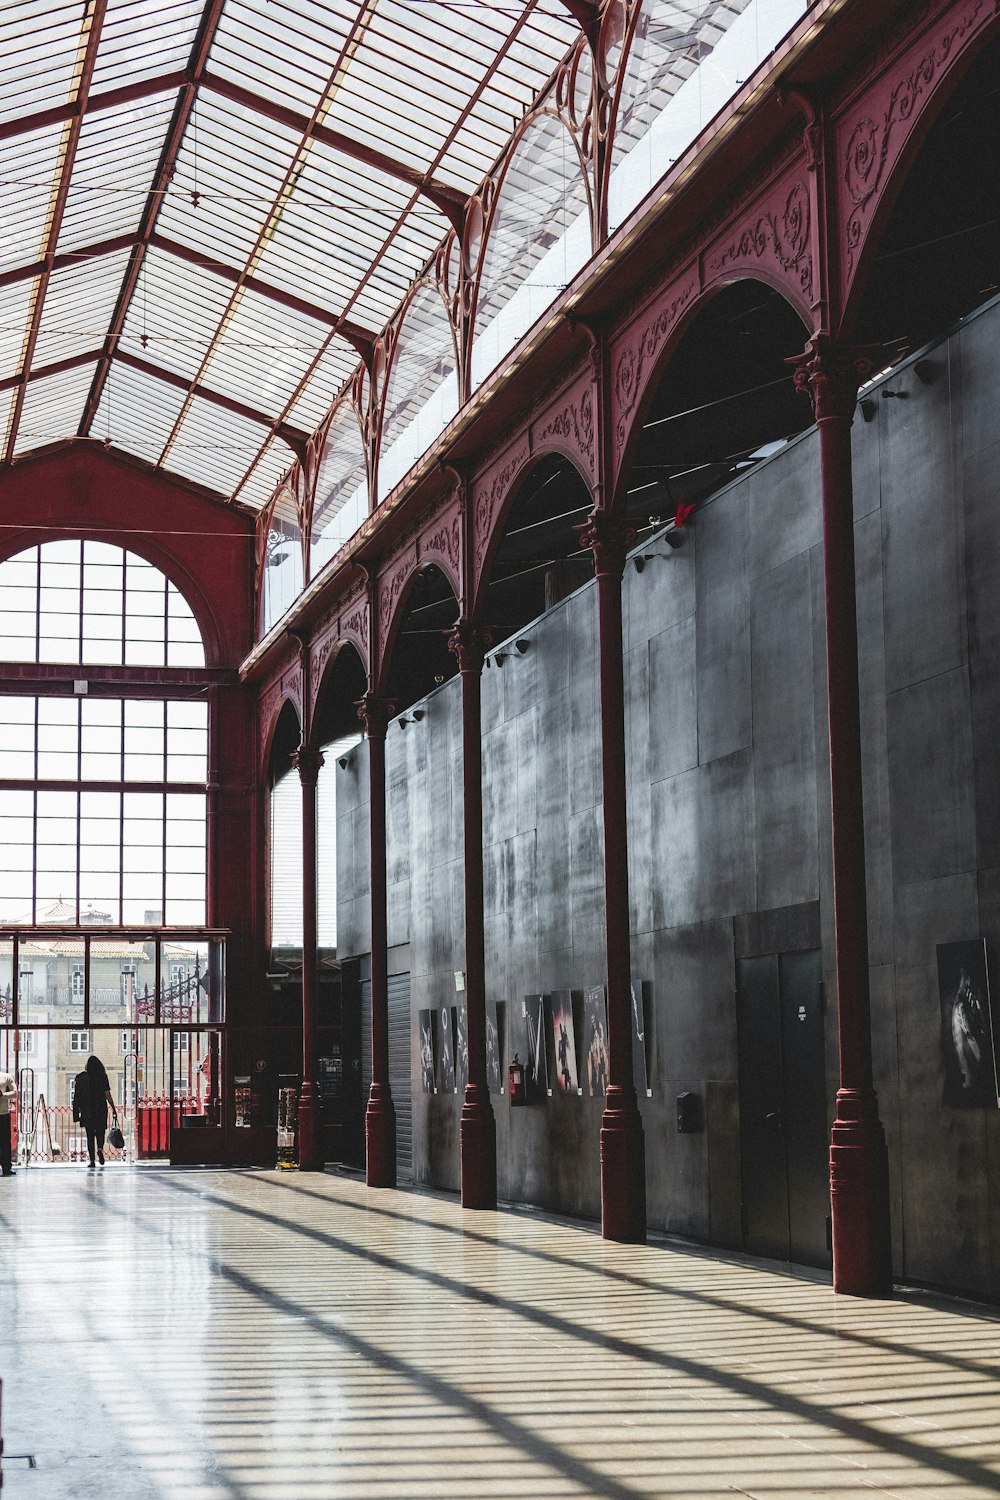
[729,821]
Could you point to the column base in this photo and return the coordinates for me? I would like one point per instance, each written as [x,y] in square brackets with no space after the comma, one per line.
[478,1138]
[380,1138]
[623,1169]
[859,1198]
[310,1122]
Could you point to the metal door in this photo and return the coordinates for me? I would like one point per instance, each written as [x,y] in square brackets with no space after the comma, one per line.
[783,1126]
[399,1064]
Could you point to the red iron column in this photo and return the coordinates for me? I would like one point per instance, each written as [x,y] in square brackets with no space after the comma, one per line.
[623,1150]
[859,1173]
[308,763]
[380,1116]
[478,1132]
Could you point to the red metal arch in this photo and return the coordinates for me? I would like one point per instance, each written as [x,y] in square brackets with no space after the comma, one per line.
[878,138]
[323,664]
[271,706]
[389,628]
[150,550]
[506,485]
[640,358]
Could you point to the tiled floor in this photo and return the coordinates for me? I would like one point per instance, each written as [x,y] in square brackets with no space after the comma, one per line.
[255,1335]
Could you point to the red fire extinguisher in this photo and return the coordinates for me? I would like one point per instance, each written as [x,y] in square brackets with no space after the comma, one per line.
[515,1078]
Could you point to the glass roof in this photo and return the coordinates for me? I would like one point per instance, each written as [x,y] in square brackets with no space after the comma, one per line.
[196,196]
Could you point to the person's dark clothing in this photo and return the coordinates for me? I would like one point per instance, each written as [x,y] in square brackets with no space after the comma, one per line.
[93,1112]
[5,1157]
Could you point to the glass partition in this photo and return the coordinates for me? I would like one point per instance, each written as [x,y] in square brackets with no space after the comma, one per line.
[283,566]
[51,985]
[685,63]
[422,391]
[341,488]
[540,237]
[121,975]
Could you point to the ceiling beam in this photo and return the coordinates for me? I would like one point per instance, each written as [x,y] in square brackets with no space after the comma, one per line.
[586,14]
[93,24]
[362,340]
[447,199]
[293,436]
[58,114]
[211,16]
[58,366]
[67,258]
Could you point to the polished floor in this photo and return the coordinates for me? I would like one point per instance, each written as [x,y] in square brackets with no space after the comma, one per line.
[210,1335]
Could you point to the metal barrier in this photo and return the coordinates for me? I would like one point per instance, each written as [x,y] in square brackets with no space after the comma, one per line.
[46,1134]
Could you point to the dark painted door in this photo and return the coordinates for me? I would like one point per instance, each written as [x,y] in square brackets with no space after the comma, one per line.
[399,1064]
[783,1127]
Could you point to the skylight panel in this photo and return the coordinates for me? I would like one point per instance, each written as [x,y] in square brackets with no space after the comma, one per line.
[27,169]
[77,308]
[39,43]
[229,172]
[327,380]
[137,411]
[174,313]
[143,38]
[259,483]
[115,164]
[287,53]
[216,447]
[52,408]
[263,352]
[15,308]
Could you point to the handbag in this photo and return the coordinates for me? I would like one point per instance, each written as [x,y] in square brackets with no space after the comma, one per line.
[115,1138]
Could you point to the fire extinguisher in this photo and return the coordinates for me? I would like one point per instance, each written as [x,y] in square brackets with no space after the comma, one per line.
[515,1078]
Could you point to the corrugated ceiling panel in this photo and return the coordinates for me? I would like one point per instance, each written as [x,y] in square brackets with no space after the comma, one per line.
[216,447]
[27,168]
[15,309]
[263,353]
[228,175]
[52,408]
[142,38]
[264,476]
[177,306]
[333,369]
[137,411]
[77,308]
[39,43]
[115,162]
[287,53]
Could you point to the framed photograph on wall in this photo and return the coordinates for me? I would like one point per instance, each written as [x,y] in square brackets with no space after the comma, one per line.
[461,1047]
[536,1068]
[641,1051]
[494,1047]
[567,1079]
[425,1040]
[595,1040]
[968,1055]
[446,1049]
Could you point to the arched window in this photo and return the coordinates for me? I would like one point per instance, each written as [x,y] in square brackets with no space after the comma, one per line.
[540,237]
[90,602]
[341,488]
[102,795]
[285,852]
[422,393]
[687,59]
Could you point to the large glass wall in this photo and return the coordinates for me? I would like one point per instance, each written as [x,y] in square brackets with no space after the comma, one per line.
[422,391]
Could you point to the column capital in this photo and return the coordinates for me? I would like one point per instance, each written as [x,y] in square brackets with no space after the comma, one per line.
[307,763]
[608,538]
[830,374]
[469,644]
[375,713]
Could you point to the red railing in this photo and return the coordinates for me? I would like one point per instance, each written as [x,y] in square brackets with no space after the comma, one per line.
[54,1136]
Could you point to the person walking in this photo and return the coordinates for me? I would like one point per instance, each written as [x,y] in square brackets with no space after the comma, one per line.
[91,1102]
[8,1093]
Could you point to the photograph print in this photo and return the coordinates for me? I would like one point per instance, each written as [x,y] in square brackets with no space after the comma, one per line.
[640,1053]
[425,1029]
[536,1078]
[564,1042]
[494,1047]
[967,1053]
[446,1050]
[461,1046]
[595,1040]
